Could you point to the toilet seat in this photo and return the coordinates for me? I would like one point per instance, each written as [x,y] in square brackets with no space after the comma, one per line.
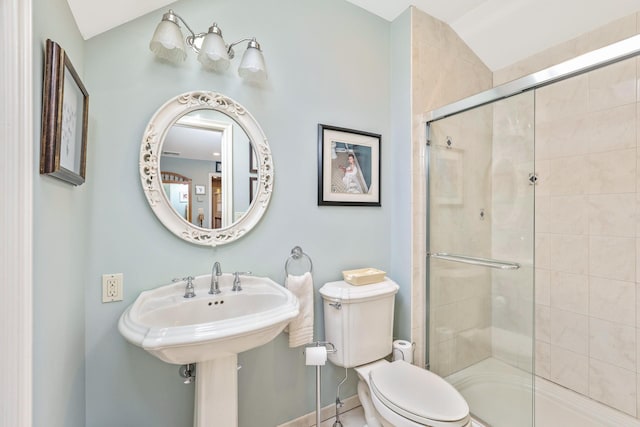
[417,395]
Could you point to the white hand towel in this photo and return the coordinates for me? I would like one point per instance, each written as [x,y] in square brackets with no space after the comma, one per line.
[301,327]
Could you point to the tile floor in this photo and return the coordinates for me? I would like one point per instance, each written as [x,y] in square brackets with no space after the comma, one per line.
[355,418]
[352,418]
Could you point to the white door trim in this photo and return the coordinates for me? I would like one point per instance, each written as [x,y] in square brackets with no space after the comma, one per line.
[16,215]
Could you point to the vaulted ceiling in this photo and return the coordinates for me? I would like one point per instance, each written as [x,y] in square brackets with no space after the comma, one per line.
[500,32]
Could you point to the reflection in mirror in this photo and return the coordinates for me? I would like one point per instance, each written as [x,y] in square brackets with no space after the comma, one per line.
[228,195]
[178,190]
[214,153]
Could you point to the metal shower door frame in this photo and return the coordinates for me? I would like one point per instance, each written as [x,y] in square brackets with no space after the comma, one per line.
[615,52]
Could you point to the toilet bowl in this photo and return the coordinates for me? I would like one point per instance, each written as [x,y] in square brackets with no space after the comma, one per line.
[399,394]
[359,323]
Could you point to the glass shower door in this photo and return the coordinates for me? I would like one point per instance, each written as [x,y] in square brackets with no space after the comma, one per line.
[481,249]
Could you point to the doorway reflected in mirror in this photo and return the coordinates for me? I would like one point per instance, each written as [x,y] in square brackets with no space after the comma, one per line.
[201,146]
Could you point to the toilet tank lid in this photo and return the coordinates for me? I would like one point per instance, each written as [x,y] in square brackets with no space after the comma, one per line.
[345,292]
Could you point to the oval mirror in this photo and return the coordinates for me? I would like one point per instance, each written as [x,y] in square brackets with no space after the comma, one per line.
[206,168]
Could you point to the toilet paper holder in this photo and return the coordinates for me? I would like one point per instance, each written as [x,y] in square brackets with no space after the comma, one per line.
[331,349]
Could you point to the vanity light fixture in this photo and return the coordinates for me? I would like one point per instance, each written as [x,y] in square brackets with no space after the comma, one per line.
[169,43]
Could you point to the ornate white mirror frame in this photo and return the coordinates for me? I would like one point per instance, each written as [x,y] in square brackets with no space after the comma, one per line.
[151,149]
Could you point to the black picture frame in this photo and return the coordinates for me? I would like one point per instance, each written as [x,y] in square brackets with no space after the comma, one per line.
[65,112]
[349,167]
[218,167]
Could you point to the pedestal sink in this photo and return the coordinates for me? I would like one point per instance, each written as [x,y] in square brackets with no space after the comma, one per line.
[209,330]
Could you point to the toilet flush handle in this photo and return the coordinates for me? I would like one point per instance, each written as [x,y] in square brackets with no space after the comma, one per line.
[337,305]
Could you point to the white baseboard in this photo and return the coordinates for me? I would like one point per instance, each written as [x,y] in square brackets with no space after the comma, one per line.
[329,411]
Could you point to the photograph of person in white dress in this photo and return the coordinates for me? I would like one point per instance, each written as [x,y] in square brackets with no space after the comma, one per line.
[350,178]
[347,173]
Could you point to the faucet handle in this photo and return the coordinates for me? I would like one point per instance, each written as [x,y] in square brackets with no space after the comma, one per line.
[189,291]
[236,280]
[236,274]
[183,279]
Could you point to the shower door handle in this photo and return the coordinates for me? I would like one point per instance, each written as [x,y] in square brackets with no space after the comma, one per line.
[485,262]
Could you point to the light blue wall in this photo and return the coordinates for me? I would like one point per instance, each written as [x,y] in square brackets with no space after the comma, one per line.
[60,252]
[329,62]
[400,180]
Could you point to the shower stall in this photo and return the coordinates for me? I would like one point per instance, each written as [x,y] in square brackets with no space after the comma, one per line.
[533,245]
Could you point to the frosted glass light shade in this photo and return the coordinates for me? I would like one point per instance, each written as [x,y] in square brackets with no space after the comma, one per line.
[168,42]
[213,53]
[252,66]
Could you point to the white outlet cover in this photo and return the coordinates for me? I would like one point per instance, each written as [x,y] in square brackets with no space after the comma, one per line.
[112,287]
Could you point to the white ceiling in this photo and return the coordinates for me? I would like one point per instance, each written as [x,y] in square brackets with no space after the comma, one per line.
[500,32]
[188,142]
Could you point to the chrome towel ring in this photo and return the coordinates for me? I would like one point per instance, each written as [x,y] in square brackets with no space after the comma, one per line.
[297,254]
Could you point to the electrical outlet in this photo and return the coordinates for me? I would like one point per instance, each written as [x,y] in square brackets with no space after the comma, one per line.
[112,287]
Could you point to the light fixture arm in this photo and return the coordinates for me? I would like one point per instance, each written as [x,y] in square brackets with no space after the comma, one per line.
[174,17]
[171,16]
[252,43]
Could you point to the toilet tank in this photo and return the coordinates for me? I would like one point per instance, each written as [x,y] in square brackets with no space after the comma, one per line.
[358,320]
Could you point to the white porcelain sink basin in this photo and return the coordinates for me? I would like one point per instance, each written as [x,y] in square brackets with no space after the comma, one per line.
[189,330]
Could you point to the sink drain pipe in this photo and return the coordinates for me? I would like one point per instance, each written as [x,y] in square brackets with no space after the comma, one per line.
[188,372]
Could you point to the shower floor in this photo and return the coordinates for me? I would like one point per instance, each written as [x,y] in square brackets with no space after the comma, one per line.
[499,394]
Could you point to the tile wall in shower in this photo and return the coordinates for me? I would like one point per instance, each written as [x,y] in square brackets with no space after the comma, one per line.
[587,234]
[587,248]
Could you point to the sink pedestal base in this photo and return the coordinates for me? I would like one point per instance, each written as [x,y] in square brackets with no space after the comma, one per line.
[217,393]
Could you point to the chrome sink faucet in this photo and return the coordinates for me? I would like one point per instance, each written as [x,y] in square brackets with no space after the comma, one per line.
[236,280]
[216,272]
[189,291]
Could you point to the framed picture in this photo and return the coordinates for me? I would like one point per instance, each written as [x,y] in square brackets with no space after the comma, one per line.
[200,189]
[218,167]
[183,196]
[253,187]
[65,108]
[348,167]
[253,162]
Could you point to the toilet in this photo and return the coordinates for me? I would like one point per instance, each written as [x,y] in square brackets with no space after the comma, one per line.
[358,321]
